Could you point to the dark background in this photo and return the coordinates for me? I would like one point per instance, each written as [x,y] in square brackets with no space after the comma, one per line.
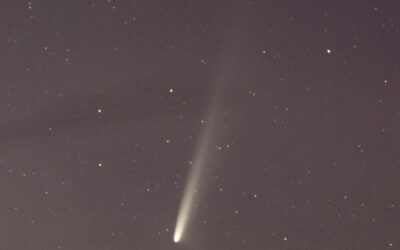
[95,148]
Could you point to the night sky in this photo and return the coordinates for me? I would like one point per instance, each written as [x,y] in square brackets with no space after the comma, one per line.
[289,110]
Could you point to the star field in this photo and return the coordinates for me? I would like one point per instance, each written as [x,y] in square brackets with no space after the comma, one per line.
[103,106]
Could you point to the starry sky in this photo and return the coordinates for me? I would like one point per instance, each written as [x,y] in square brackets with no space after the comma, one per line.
[105,104]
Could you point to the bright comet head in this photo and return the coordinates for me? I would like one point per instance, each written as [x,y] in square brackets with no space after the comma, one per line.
[176,238]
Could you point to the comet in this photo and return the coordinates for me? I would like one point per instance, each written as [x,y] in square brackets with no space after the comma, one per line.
[200,158]
[224,75]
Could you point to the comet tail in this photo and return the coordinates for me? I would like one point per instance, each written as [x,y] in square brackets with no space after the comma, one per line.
[191,185]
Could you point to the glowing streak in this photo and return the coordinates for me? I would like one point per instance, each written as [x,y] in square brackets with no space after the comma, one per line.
[191,186]
[190,191]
